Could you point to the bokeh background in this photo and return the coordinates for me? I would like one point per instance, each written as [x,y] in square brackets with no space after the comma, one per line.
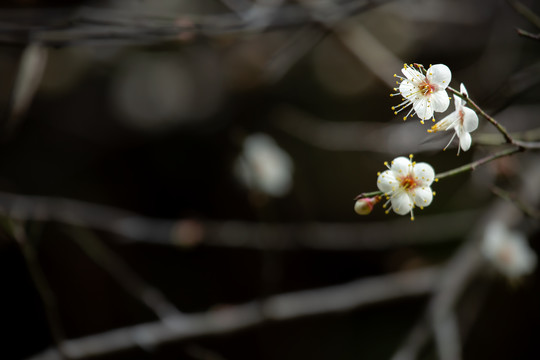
[155,125]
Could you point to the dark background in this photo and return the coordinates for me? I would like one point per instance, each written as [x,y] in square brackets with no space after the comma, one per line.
[154,128]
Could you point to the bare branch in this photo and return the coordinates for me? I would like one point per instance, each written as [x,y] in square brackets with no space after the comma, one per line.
[186,233]
[334,299]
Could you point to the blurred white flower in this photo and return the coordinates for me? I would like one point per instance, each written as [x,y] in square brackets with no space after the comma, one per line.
[406,184]
[508,251]
[264,166]
[463,120]
[424,90]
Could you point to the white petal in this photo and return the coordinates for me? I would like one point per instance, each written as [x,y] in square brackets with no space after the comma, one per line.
[439,74]
[463,90]
[408,89]
[412,74]
[465,140]
[449,122]
[459,103]
[401,166]
[423,108]
[440,101]
[424,172]
[470,120]
[401,203]
[387,182]
[423,196]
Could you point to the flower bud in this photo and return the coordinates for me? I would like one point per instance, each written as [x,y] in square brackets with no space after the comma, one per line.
[364,206]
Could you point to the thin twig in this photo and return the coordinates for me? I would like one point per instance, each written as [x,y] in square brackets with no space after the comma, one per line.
[473,165]
[528,34]
[525,208]
[478,109]
[461,169]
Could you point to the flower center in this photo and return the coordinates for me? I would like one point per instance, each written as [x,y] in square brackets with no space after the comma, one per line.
[426,88]
[408,183]
[461,116]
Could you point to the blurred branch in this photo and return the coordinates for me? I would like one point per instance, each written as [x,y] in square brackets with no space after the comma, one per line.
[524,11]
[123,274]
[293,50]
[284,307]
[29,75]
[62,28]
[528,34]
[370,51]
[525,208]
[495,139]
[188,232]
[463,267]
[42,286]
[375,137]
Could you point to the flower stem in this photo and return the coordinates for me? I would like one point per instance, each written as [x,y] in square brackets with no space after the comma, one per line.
[368,195]
[473,165]
[507,137]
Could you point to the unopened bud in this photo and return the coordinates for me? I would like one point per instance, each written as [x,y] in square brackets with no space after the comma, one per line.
[364,206]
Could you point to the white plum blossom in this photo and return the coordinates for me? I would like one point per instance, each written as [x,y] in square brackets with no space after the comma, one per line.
[463,120]
[263,166]
[406,184]
[508,251]
[423,90]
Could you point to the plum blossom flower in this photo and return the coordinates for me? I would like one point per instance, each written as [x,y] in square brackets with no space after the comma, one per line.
[463,120]
[508,251]
[265,167]
[423,90]
[406,184]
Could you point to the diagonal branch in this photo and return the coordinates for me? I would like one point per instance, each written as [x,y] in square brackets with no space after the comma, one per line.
[284,307]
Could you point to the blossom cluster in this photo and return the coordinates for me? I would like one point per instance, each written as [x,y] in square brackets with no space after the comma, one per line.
[406,184]
[424,91]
